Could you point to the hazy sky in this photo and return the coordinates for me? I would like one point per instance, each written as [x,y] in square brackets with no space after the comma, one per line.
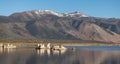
[98,8]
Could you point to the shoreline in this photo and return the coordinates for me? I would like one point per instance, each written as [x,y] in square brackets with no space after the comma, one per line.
[65,44]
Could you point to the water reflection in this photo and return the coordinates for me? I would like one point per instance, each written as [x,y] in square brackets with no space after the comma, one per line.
[7,50]
[1,50]
[49,52]
[41,52]
[46,56]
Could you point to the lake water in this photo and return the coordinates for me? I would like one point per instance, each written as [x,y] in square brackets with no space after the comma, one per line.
[80,55]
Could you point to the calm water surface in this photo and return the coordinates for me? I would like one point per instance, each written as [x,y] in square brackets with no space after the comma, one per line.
[81,55]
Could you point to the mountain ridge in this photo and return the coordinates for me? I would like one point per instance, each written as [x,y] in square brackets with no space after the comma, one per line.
[38,24]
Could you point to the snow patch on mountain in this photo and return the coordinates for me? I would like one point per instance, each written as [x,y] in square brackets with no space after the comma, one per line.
[73,14]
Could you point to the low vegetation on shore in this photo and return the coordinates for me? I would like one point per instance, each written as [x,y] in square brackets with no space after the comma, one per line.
[58,42]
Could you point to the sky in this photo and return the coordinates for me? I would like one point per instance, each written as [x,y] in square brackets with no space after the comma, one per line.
[96,8]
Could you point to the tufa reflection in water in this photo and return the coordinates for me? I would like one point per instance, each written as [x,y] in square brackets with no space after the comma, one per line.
[49,52]
[7,50]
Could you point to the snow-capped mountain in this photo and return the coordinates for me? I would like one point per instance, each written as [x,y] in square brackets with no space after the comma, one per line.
[50,12]
[36,14]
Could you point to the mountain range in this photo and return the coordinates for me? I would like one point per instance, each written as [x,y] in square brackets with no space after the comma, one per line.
[47,24]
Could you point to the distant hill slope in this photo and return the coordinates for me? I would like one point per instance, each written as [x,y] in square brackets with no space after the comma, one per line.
[47,24]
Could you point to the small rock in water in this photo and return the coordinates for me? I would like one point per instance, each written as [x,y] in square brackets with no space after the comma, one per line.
[73,48]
